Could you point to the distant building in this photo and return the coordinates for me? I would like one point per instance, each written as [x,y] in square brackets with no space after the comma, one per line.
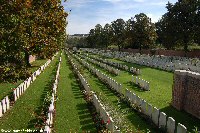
[78,35]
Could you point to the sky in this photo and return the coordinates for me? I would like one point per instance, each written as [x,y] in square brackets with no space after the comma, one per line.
[85,14]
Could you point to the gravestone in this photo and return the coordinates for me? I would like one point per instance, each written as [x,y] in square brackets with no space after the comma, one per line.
[155,115]
[7,103]
[133,99]
[150,109]
[47,129]
[4,105]
[1,110]
[143,107]
[170,125]
[162,120]
[181,128]
[15,94]
[111,125]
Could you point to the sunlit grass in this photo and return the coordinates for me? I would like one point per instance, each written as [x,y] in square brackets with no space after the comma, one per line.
[72,113]
[132,120]
[6,88]
[23,114]
[160,94]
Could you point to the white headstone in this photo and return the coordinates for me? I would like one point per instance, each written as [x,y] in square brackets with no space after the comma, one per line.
[15,94]
[155,115]
[181,128]
[170,125]
[47,129]
[7,103]
[1,110]
[162,120]
[143,107]
[150,109]
[4,105]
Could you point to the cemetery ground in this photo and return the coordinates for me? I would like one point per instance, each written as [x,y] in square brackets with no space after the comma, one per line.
[126,117]
[27,113]
[160,93]
[72,111]
[6,88]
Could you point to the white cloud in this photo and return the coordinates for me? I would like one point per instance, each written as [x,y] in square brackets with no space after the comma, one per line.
[87,13]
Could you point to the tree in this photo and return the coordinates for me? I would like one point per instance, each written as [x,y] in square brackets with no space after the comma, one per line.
[29,27]
[181,20]
[129,33]
[166,33]
[118,28]
[98,35]
[106,35]
[144,31]
[91,38]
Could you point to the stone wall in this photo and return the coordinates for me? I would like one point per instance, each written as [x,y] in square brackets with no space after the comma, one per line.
[186,92]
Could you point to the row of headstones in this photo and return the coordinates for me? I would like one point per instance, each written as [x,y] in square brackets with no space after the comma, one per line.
[5,103]
[111,82]
[163,62]
[104,114]
[4,106]
[81,78]
[105,66]
[23,86]
[166,63]
[159,118]
[96,102]
[143,84]
[133,70]
[129,59]
[51,111]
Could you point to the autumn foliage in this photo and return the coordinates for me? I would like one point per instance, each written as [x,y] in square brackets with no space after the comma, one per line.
[28,27]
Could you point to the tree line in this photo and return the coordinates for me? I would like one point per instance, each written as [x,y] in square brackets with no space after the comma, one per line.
[29,27]
[179,26]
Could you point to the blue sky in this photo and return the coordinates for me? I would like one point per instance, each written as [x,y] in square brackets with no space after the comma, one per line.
[86,14]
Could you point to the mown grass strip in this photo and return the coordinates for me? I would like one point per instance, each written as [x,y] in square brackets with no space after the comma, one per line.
[24,113]
[160,93]
[131,119]
[72,113]
[6,88]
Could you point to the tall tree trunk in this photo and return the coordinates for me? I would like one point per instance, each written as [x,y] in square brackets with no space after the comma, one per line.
[27,59]
[140,49]
[186,42]
[119,48]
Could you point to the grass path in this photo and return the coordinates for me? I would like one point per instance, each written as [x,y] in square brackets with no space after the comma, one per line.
[6,88]
[23,114]
[131,120]
[72,113]
[160,93]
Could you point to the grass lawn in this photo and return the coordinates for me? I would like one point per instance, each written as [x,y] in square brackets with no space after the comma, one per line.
[6,88]
[130,119]
[160,93]
[23,114]
[72,113]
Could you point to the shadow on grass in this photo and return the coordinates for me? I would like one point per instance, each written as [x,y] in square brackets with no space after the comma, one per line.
[84,114]
[133,86]
[182,117]
[85,117]
[131,115]
[142,66]
[41,112]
